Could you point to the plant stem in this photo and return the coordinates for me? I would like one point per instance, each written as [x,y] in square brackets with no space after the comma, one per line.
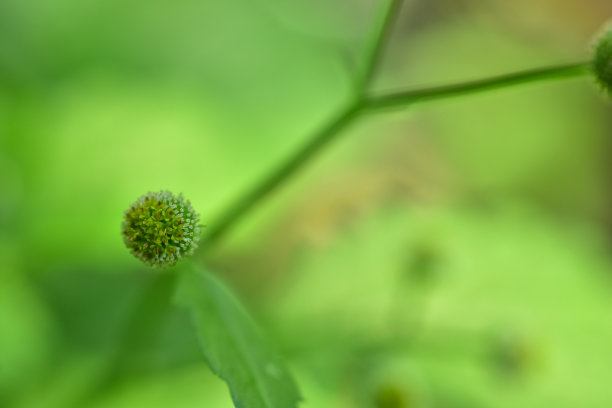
[282,173]
[320,140]
[378,41]
[368,104]
[405,98]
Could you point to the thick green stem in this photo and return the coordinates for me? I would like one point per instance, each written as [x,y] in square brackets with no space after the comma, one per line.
[405,98]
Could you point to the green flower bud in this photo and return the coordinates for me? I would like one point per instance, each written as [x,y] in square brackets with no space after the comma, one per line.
[160,229]
[602,61]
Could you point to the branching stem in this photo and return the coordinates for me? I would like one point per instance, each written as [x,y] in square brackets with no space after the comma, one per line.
[405,98]
[282,173]
[379,40]
[364,105]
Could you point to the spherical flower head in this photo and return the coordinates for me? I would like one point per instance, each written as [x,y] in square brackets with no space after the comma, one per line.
[602,61]
[161,228]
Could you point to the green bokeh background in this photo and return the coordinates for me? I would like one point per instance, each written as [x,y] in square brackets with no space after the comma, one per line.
[453,255]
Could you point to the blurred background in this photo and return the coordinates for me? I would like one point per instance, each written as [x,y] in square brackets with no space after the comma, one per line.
[453,255]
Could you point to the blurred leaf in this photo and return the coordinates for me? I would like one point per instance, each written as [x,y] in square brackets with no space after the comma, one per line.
[27,333]
[233,346]
[65,384]
[186,387]
[79,296]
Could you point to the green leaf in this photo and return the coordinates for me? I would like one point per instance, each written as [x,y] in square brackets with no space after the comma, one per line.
[233,346]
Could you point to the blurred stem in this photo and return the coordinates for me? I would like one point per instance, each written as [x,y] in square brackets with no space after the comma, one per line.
[365,104]
[281,174]
[144,322]
[321,139]
[376,46]
[140,328]
[404,98]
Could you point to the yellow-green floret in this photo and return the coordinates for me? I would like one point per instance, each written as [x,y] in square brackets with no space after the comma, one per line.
[160,229]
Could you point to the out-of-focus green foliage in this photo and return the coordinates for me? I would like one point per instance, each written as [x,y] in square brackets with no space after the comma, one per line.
[459,304]
[455,255]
